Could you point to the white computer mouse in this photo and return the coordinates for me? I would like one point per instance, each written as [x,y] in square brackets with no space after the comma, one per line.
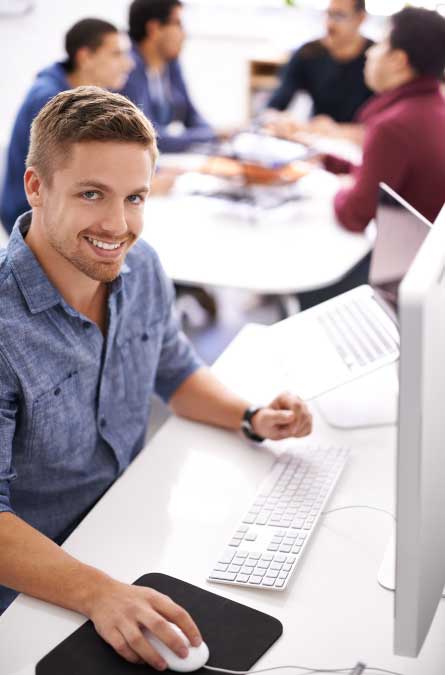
[196,658]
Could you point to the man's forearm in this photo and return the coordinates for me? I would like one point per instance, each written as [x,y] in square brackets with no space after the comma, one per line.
[33,564]
[203,398]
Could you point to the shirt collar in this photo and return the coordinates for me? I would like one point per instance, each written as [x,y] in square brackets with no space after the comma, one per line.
[421,86]
[38,291]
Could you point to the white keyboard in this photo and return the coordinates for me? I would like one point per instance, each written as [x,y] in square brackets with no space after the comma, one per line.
[270,539]
[359,337]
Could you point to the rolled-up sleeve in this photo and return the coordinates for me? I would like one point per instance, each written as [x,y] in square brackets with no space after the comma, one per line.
[178,359]
[8,415]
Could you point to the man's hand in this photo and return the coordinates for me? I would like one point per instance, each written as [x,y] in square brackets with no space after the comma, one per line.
[120,612]
[286,416]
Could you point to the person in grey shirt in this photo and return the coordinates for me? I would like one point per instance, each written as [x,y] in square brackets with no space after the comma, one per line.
[87,334]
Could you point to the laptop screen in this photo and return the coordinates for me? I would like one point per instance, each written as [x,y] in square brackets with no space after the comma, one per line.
[400,233]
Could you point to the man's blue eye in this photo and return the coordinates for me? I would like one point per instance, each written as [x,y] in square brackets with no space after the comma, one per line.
[91,195]
[135,199]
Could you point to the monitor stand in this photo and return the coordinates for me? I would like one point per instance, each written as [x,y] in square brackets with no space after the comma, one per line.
[369,401]
[387,572]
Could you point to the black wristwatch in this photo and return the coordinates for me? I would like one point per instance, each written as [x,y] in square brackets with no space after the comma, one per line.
[247,427]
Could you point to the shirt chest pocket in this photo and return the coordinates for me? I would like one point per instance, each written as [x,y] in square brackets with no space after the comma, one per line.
[139,353]
[57,427]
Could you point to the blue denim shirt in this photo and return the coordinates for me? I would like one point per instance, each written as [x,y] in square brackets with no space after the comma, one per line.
[74,405]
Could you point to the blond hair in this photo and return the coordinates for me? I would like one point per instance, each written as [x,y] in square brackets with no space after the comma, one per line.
[82,115]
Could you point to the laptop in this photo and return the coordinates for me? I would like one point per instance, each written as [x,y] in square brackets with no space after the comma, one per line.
[356,332]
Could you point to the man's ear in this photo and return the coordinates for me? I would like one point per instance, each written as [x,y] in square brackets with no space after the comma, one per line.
[33,187]
[82,57]
[400,58]
[152,28]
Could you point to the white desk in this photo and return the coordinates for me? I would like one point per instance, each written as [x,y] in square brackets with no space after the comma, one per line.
[301,248]
[173,510]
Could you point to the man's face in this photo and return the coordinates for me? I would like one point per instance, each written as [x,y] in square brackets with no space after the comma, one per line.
[342,21]
[108,65]
[92,212]
[379,66]
[170,36]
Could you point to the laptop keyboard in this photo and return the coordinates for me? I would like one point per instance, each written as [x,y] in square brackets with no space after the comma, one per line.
[357,334]
[270,539]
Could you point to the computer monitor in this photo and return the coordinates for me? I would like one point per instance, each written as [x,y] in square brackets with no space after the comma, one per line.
[420,529]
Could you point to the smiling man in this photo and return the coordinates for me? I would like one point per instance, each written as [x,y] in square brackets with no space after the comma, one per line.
[88,334]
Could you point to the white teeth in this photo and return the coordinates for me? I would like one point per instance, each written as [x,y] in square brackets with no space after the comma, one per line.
[103,244]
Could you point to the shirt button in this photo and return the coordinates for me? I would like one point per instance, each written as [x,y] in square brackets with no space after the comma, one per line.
[57,391]
[86,325]
[144,337]
[103,422]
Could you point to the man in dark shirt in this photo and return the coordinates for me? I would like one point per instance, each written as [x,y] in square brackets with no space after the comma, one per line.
[330,70]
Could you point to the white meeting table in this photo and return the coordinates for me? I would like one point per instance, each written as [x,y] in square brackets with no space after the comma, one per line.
[175,508]
[283,251]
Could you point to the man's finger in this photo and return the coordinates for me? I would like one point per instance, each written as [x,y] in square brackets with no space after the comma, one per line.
[138,644]
[281,417]
[180,617]
[121,646]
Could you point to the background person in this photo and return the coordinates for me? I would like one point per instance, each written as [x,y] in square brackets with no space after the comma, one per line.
[97,54]
[331,71]
[156,84]
[404,144]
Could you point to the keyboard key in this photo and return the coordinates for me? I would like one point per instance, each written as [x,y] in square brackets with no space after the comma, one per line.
[242,578]
[280,583]
[234,568]
[238,560]
[276,566]
[273,547]
[251,536]
[223,576]
[279,558]
[248,569]
[242,554]
[267,556]
[272,574]
[260,572]
[251,562]
[255,579]
[227,557]
[219,567]
[249,519]
[263,564]
[268,581]
[262,519]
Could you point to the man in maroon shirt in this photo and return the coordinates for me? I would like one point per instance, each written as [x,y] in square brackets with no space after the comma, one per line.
[404,144]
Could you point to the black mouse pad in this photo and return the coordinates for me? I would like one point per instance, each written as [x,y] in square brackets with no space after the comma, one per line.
[236,635]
